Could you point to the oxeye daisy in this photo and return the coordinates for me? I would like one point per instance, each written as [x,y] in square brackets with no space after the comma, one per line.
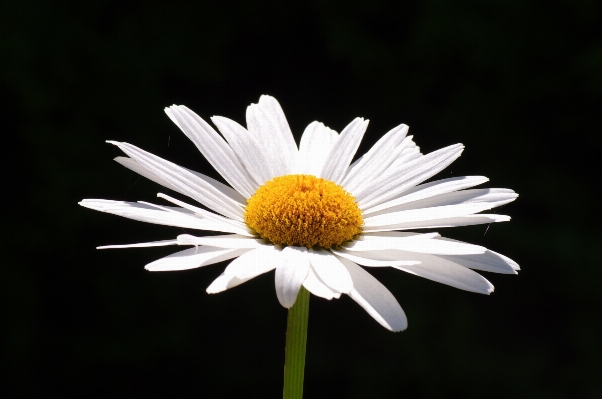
[312,215]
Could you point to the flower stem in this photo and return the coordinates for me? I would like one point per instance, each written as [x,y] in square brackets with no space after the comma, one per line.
[296,341]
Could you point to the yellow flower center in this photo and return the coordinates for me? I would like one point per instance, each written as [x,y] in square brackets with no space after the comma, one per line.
[303,210]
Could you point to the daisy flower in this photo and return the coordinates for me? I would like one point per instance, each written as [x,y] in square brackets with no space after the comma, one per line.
[312,215]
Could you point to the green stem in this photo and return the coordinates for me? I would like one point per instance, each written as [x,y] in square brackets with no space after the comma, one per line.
[296,341]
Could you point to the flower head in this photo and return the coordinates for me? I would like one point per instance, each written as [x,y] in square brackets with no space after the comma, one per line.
[311,214]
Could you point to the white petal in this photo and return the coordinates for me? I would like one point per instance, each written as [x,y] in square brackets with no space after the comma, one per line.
[254,263]
[374,258]
[316,143]
[330,270]
[490,261]
[343,151]
[142,245]
[417,215]
[247,148]
[141,170]
[193,258]
[246,267]
[377,159]
[317,287]
[232,226]
[492,196]
[225,241]
[290,274]
[267,123]
[443,222]
[191,184]
[223,283]
[272,107]
[443,271]
[414,244]
[428,190]
[412,173]
[214,148]
[168,216]
[375,298]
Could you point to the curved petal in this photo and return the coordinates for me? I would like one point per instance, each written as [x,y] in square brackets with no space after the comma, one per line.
[167,216]
[343,151]
[428,190]
[330,270]
[247,148]
[196,186]
[290,274]
[494,197]
[192,258]
[266,121]
[142,171]
[226,241]
[316,143]
[428,245]
[377,159]
[424,214]
[219,154]
[375,298]
[374,258]
[317,287]
[246,267]
[443,222]
[395,182]
[489,261]
[441,270]
[237,227]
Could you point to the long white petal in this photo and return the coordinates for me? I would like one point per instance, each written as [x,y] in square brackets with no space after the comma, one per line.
[343,151]
[375,298]
[494,197]
[317,287]
[224,282]
[377,159]
[428,190]
[330,270]
[225,241]
[192,258]
[443,222]
[141,245]
[416,215]
[267,123]
[141,170]
[373,258]
[246,267]
[443,271]
[191,184]
[167,216]
[254,263]
[234,225]
[316,143]
[246,147]
[413,244]
[290,274]
[489,261]
[414,172]
[214,148]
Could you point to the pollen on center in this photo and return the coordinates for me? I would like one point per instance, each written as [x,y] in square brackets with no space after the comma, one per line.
[303,210]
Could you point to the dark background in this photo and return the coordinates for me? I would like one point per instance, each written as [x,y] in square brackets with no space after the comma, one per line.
[519,83]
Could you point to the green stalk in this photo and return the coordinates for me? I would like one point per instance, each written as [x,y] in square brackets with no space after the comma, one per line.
[296,341]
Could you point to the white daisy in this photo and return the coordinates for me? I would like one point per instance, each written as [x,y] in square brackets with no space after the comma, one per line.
[310,214]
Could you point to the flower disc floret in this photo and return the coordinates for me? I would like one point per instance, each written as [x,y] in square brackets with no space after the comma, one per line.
[303,210]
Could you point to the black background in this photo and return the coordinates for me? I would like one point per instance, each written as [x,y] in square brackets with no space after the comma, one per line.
[519,83]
